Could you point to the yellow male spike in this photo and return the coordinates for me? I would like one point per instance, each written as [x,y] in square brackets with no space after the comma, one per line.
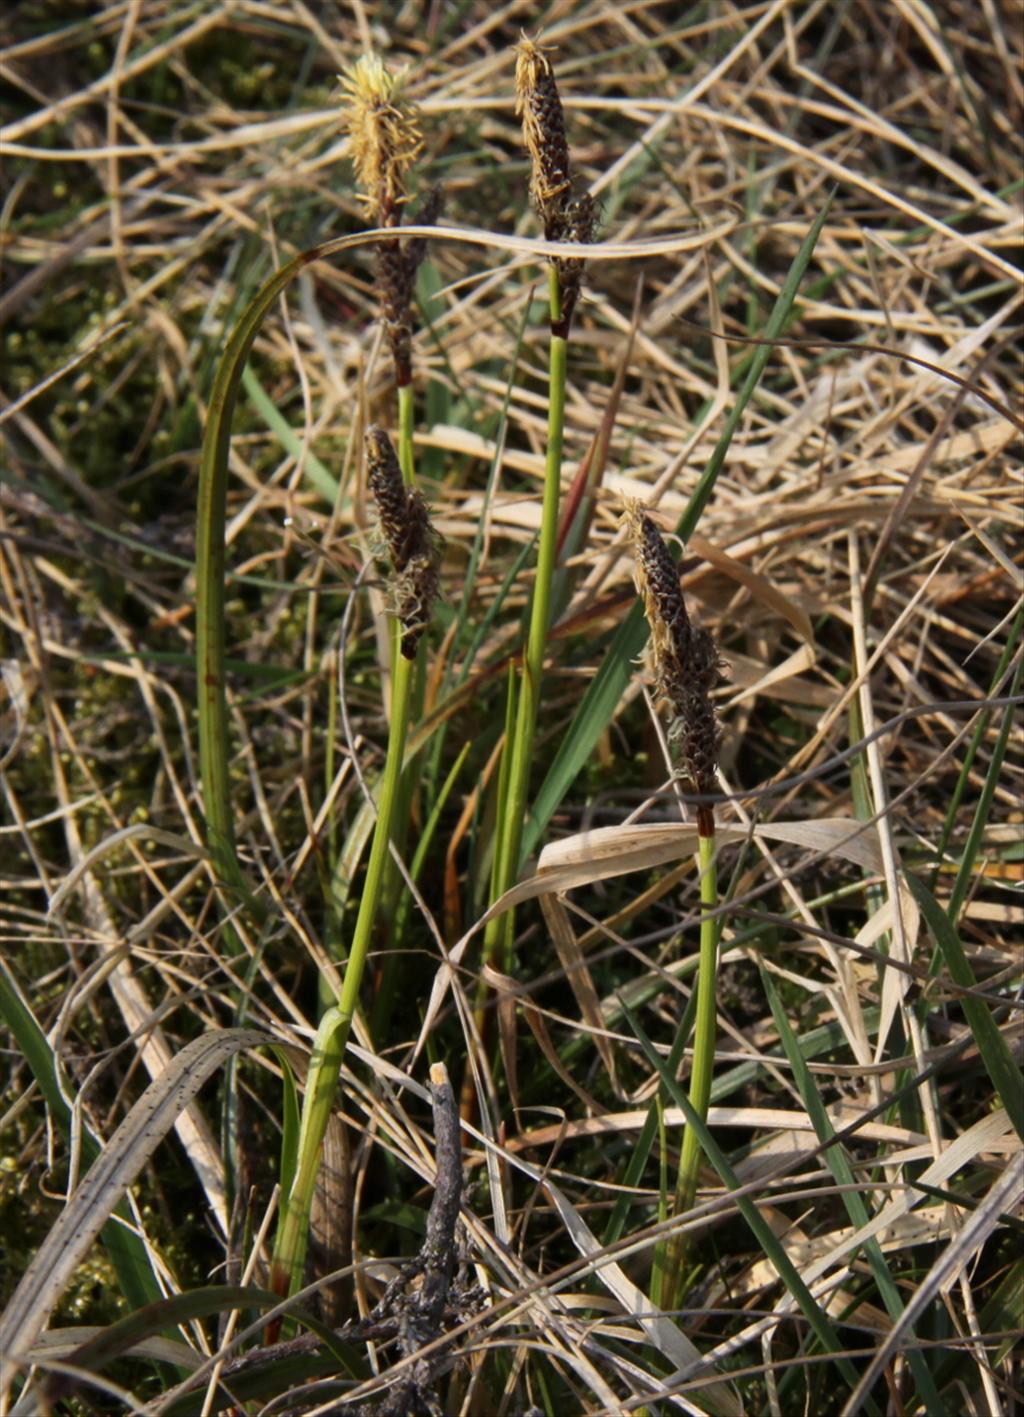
[384,133]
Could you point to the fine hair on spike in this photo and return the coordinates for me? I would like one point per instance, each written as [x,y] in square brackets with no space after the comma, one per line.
[384,135]
[540,108]
[385,141]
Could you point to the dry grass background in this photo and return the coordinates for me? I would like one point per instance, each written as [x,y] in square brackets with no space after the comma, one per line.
[860,561]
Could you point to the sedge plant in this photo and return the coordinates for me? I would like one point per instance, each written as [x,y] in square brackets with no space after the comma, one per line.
[385,141]
[566,218]
[970,877]
[212,707]
[569,217]
[687,669]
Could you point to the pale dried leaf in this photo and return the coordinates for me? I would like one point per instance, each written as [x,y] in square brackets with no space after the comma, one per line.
[114,1170]
[1004,1195]
[606,852]
[663,1332]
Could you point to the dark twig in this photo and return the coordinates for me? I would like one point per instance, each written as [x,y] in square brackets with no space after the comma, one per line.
[421,1314]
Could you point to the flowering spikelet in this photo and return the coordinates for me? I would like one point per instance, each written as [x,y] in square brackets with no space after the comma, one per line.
[565,217]
[384,134]
[413,544]
[577,222]
[540,108]
[385,142]
[686,663]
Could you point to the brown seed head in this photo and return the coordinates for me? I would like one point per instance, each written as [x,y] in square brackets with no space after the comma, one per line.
[657,578]
[397,264]
[384,135]
[577,221]
[384,475]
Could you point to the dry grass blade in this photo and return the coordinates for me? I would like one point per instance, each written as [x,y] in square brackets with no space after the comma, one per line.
[121,1160]
[660,1329]
[60,1343]
[992,1131]
[578,976]
[1004,1196]
[608,852]
[103,848]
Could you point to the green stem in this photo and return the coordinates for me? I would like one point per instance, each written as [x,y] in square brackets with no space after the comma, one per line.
[499,932]
[379,851]
[395,896]
[406,420]
[332,1035]
[667,1281]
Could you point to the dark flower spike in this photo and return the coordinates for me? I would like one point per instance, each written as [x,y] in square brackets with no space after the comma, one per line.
[565,217]
[540,108]
[413,544]
[687,667]
[397,264]
[579,224]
